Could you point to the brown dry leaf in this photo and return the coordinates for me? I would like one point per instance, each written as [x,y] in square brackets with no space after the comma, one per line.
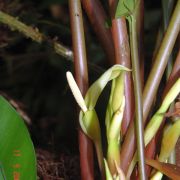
[176,112]
[170,170]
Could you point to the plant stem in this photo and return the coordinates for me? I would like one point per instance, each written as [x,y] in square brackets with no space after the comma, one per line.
[128,147]
[113,155]
[138,98]
[98,17]
[81,76]
[140,37]
[175,74]
[122,56]
[160,62]
[34,34]
[167,7]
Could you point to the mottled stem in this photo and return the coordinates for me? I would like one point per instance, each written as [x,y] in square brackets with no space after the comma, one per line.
[34,34]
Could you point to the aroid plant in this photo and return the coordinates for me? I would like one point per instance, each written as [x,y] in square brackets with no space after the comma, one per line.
[117,163]
[90,124]
[149,126]
[89,120]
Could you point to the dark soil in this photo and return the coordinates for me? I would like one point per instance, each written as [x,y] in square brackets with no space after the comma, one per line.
[62,167]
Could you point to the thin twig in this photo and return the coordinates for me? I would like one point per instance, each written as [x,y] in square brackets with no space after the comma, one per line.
[34,34]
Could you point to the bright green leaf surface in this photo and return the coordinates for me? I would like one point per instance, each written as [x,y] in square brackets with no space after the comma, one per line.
[17,155]
[2,176]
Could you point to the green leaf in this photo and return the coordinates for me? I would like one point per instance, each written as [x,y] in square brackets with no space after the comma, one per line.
[97,87]
[2,176]
[108,173]
[88,118]
[17,155]
[170,138]
[169,141]
[90,124]
[156,120]
[119,176]
[114,128]
[125,8]
[115,108]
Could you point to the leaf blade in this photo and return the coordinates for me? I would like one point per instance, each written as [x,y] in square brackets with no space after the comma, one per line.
[17,153]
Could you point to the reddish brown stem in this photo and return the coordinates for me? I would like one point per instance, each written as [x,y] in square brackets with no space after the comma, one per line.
[150,153]
[122,56]
[152,147]
[130,137]
[175,74]
[127,153]
[81,76]
[153,81]
[97,17]
[140,34]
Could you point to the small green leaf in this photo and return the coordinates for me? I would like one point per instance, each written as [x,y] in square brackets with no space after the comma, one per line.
[115,108]
[156,120]
[17,155]
[88,119]
[97,87]
[170,138]
[90,124]
[125,8]
[115,124]
[108,173]
[169,141]
[117,92]
[157,176]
